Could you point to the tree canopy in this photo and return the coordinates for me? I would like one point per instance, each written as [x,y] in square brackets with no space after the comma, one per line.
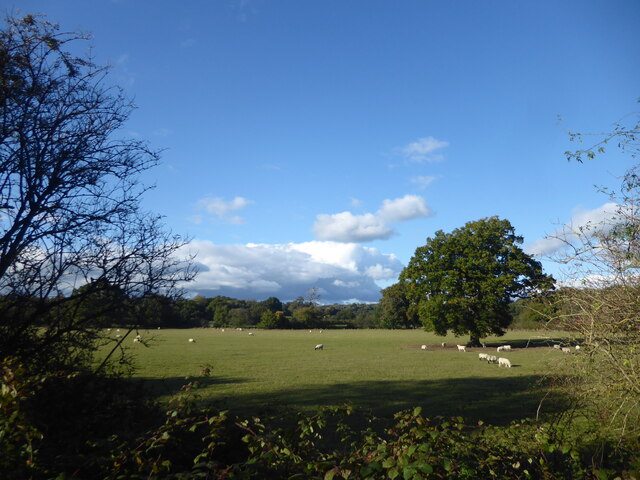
[464,281]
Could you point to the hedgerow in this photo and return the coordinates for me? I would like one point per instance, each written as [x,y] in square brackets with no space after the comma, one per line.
[195,442]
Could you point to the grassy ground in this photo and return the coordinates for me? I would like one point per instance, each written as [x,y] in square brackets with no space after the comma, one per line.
[381,370]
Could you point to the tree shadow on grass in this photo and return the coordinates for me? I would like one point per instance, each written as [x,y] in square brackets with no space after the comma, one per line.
[171,385]
[494,400]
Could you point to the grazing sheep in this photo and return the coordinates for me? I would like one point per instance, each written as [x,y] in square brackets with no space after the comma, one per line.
[222,329]
[566,349]
[504,362]
[506,347]
[192,340]
[462,348]
[158,328]
[136,340]
[423,347]
[577,347]
[500,348]
[557,347]
[482,356]
[492,359]
[251,334]
[319,347]
[310,331]
[484,345]
[444,344]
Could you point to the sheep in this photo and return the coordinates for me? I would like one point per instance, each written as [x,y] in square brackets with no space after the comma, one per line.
[319,347]
[557,347]
[492,359]
[136,340]
[577,347]
[444,344]
[500,348]
[310,331]
[423,347]
[484,345]
[504,361]
[566,349]
[192,340]
[462,348]
[506,347]
[251,334]
[118,336]
[482,356]
[222,330]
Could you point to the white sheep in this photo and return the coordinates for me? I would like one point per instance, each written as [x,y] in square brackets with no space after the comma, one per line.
[557,347]
[192,340]
[319,347]
[506,347]
[222,330]
[251,334]
[136,340]
[577,347]
[504,362]
[492,359]
[482,356]
[500,348]
[444,344]
[423,347]
[566,349]
[462,348]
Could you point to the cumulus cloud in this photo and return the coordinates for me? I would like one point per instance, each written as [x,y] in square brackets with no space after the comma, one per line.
[340,271]
[424,150]
[403,209]
[601,218]
[347,227]
[223,209]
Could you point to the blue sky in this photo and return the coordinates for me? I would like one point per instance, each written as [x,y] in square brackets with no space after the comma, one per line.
[319,143]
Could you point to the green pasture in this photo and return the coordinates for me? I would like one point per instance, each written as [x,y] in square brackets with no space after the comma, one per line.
[381,370]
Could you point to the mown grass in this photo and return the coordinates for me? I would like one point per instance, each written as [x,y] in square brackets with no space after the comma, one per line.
[381,370]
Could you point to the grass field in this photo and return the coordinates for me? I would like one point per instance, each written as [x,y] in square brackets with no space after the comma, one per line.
[381,370]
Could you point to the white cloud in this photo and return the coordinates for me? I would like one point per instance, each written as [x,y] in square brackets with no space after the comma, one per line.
[423,150]
[598,219]
[347,227]
[403,209]
[223,209]
[256,271]
[423,181]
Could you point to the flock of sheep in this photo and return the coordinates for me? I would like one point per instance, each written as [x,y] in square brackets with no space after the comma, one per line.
[501,361]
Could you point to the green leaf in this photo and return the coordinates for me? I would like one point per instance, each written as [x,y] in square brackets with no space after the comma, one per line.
[330,474]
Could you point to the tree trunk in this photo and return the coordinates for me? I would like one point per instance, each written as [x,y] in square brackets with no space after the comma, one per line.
[474,341]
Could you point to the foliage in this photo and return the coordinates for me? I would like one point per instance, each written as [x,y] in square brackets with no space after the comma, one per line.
[69,199]
[602,265]
[395,308]
[465,280]
[332,443]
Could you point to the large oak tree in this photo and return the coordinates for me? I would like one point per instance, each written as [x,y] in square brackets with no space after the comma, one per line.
[464,281]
